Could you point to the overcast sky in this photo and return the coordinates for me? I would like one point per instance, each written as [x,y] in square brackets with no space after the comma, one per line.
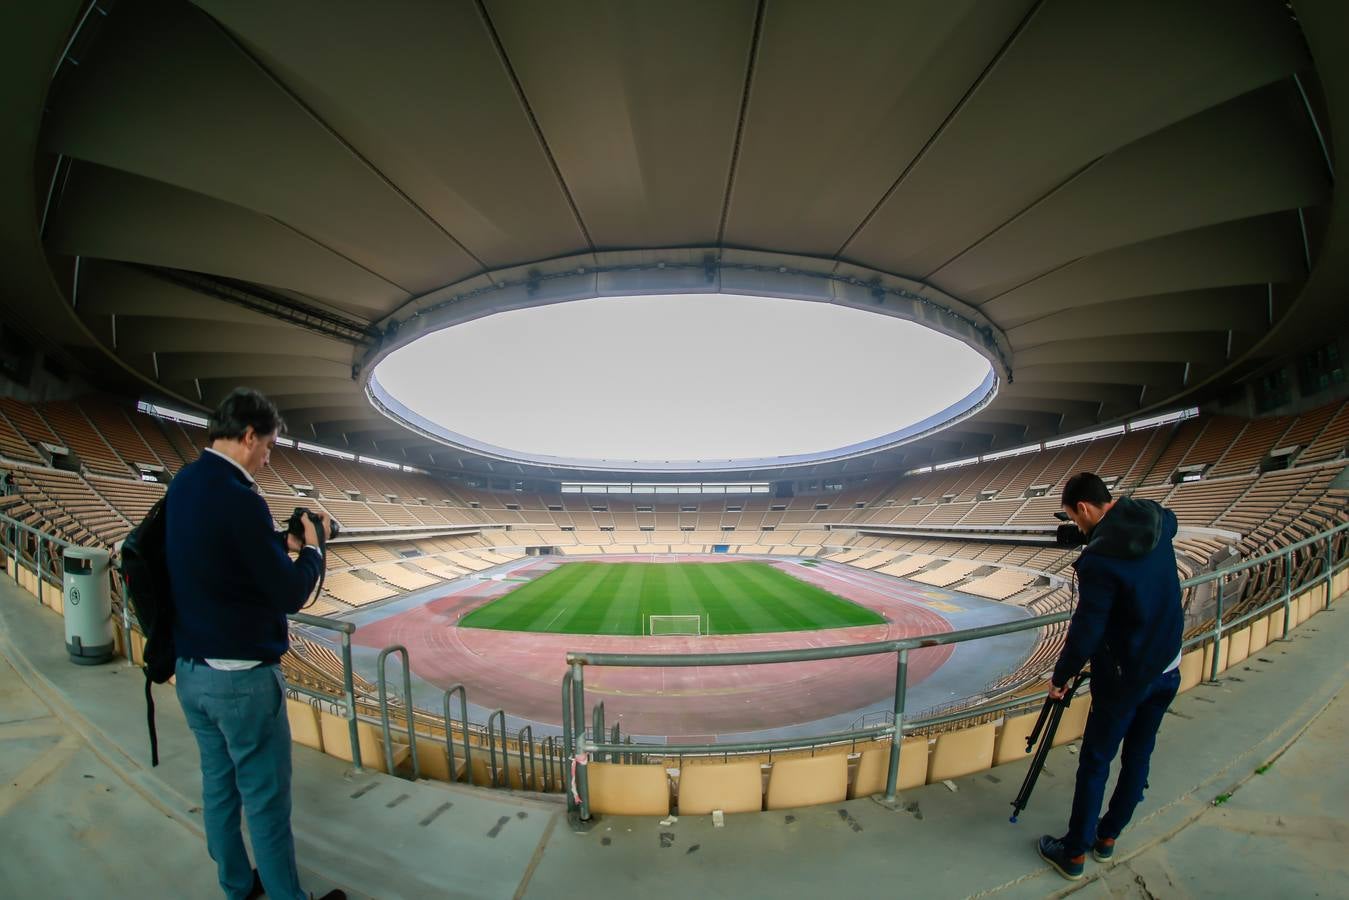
[681,377]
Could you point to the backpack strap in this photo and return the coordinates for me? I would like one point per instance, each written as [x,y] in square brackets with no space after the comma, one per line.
[150,721]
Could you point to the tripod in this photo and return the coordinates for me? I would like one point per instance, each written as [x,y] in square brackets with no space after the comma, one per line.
[1048,722]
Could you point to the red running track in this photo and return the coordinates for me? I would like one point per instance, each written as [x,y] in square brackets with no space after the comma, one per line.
[522,672]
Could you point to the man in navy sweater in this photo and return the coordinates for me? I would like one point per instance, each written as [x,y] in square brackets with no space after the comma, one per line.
[233,583]
[1128,623]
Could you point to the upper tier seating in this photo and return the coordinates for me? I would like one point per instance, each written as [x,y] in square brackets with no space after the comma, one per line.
[29,423]
[78,434]
[112,423]
[13,444]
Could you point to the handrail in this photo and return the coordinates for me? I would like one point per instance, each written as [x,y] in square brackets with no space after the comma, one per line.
[806,654]
[303,618]
[345,629]
[1244,564]
[533,784]
[449,730]
[505,771]
[549,754]
[407,704]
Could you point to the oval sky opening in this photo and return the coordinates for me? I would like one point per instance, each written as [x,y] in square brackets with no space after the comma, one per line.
[680,377]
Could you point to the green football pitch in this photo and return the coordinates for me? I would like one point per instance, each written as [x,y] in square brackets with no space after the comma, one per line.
[617,598]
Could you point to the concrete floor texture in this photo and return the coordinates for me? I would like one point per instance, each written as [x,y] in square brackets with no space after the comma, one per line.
[1249,796]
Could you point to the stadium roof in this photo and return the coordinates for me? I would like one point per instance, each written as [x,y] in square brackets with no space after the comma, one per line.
[1125,206]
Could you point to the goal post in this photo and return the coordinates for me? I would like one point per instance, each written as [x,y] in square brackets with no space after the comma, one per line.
[669,625]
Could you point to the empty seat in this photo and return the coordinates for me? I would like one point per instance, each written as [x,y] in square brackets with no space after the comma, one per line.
[729,787]
[630,790]
[808,781]
[873,768]
[962,752]
[304,723]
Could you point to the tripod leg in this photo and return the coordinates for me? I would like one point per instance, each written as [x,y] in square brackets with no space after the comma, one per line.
[1039,725]
[1038,761]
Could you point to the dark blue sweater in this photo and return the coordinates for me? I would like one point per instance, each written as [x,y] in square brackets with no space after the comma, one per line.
[1129,619]
[231,578]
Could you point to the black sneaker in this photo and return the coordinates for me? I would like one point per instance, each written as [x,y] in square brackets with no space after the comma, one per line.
[1055,853]
[256,890]
[1103,849]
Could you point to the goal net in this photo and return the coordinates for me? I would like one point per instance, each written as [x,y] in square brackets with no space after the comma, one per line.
[658,625]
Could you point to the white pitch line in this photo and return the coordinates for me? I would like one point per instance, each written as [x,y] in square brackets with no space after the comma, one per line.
[555,618]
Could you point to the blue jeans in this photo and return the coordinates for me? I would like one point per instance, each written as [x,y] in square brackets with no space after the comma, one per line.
[239,719]
[1135,724]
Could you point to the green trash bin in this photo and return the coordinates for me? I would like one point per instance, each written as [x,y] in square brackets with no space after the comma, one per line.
[88,605]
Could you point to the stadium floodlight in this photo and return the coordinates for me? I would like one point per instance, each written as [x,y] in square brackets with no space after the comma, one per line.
[1086,436]
[1164,419]
[658,626]
[173,415]
[1015,451]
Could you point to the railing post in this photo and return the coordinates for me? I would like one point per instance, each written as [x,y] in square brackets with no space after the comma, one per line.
[546,748]
[568,742]
[1217,631]
[533,784]
[449,731]
[38,568]
[901,685]
[349,692]
[1287,592]
[1330,569]
[407,707]
[597,734]
[126,623]
[492,751]
[581,757]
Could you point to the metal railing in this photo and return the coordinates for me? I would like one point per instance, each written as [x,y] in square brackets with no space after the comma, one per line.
[584,745]
[580,745]
[407,704]
[42,553]
[346,630]
[45,556]
[1327,539]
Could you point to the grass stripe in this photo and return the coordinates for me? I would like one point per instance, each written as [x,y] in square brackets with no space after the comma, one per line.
[617,598]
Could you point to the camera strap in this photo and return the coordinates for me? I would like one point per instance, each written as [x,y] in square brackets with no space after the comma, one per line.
[322,532]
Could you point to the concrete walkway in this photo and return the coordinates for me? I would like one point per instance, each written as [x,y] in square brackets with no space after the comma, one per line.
[82,814]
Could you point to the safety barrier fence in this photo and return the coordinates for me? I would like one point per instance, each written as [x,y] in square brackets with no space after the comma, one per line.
[39,553]
[581,745]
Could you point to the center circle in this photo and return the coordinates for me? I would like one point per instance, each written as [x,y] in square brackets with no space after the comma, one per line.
[689,377]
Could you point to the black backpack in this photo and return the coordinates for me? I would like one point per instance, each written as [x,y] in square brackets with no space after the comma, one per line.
[145,579]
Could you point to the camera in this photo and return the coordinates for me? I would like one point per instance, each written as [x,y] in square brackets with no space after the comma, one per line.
[295,524]
[1068,535]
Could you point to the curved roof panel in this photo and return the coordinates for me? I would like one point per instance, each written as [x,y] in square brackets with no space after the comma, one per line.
[1132,203]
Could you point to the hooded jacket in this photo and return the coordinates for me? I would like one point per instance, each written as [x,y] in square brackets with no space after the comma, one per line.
[1128,620]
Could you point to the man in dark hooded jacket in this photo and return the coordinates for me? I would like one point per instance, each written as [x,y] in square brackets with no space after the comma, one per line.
[1128,623]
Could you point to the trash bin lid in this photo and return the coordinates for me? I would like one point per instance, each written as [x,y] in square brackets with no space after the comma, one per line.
[97,554]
